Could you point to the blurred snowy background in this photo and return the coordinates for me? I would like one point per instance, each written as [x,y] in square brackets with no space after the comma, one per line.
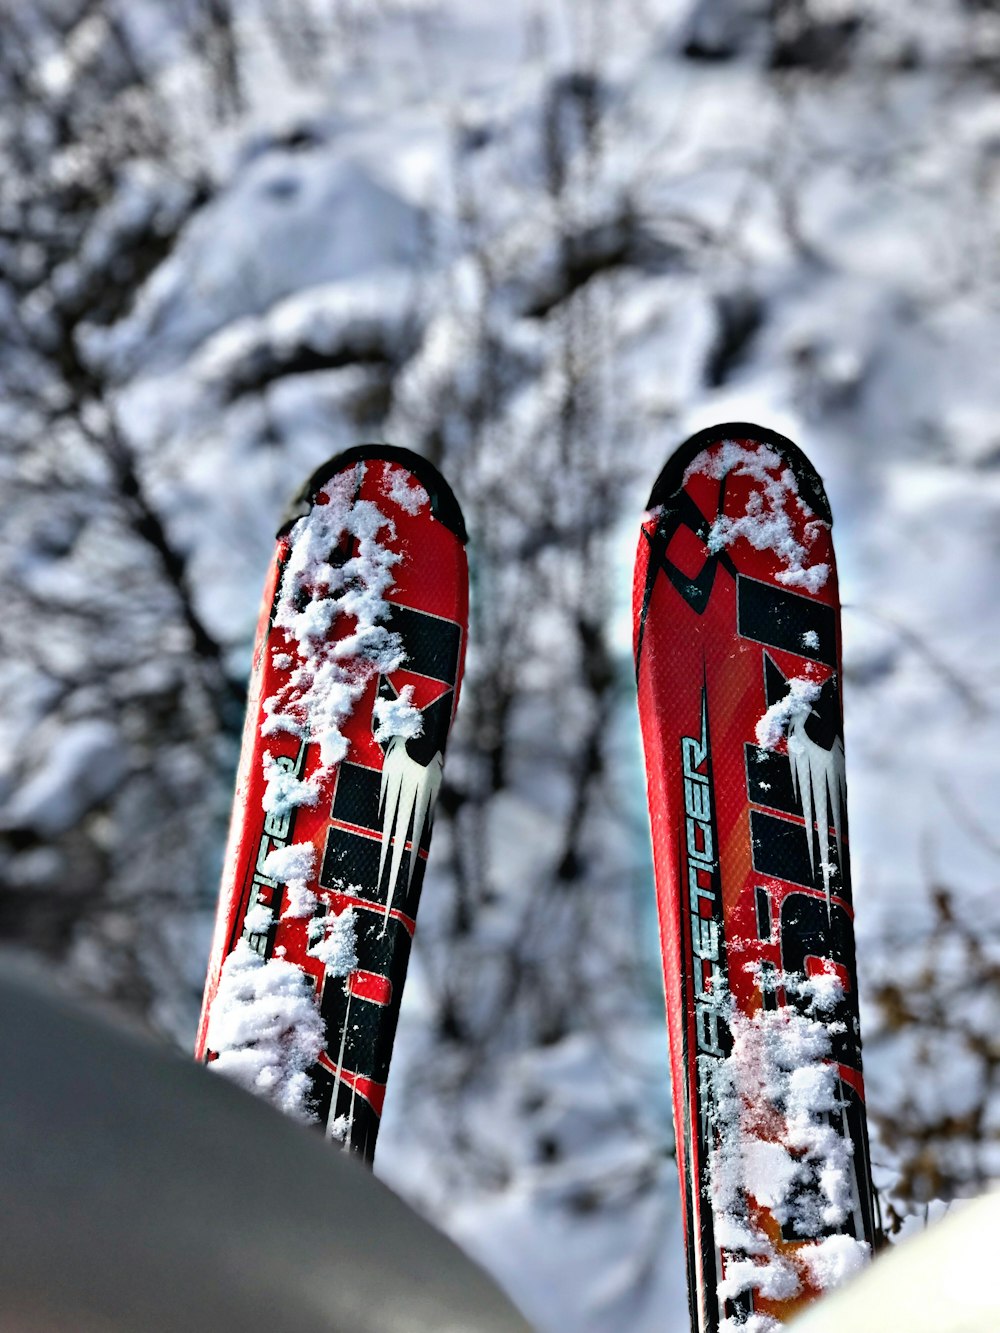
[539,242]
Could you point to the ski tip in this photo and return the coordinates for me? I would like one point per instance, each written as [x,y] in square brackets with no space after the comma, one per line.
[671,479]
[444,506]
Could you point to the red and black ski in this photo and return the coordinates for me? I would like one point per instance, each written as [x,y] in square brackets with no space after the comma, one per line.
[356,675]
[737,649]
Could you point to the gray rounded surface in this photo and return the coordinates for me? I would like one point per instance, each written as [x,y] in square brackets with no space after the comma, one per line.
[140,1191]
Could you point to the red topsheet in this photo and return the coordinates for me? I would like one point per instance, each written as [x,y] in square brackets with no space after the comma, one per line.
[431,579]
[719,636]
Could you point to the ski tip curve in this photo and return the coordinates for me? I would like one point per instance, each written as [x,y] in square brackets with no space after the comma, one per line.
[671,479]
[444,506]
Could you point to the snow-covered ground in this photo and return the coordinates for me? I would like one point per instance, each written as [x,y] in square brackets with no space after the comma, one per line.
[471,210]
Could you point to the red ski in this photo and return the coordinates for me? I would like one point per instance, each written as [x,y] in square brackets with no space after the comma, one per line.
[737,648]
[356,674]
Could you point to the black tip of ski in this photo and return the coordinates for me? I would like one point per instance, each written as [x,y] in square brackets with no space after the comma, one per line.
[670,480]
[444,505]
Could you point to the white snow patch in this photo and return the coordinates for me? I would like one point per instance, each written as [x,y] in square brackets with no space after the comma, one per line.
[767,523]
[339,1129]
[733,1233]
[824,990]
[810,639]
[777,1103]
[403,489]
[796,706]
[284,792]
[294,866]
[775,1280]
[833,1260]
[397,717]
[770,1171]
[296,861]
[334,670]
[257,920]
[337,950]
[266,1028]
